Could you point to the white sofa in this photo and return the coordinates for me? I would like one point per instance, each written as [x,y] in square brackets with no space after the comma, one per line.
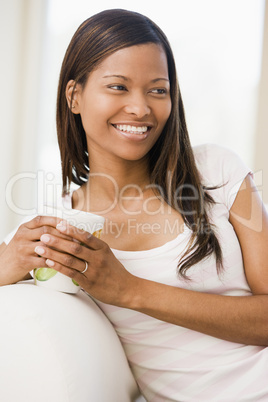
[59,347]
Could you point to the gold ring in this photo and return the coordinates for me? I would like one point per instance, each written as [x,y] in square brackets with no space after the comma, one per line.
[85,268]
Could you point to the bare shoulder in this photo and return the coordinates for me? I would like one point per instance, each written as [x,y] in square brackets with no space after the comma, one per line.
[250,221]
[2,247]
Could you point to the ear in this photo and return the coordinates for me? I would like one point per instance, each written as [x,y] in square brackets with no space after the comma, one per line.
[72,96]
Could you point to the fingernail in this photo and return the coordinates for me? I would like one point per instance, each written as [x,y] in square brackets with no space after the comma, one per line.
[39,250]
[50,263]
[45,238]
[61,226]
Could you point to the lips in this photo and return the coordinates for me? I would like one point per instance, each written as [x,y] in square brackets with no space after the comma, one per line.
[130,129]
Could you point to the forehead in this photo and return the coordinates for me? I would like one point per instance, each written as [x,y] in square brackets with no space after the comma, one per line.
[147,59]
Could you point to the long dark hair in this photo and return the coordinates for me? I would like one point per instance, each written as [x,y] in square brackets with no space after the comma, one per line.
[171,160]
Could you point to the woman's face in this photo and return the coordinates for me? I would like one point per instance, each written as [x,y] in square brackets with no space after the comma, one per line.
[125,103]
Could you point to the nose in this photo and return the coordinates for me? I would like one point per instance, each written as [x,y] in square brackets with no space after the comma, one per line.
[137,105]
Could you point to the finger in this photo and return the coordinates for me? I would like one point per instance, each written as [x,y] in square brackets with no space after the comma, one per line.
[40,221]
[53,264]
[69,245]
[38,262]
[27,255]
[81,235]
[71,273]
[35,234]
[64,259]
[25,251]
[32,262]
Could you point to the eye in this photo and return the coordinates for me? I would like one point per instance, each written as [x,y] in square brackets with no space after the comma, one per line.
[117,87]
[159,91]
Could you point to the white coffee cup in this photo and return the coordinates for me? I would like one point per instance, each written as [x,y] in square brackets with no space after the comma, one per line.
[49,277]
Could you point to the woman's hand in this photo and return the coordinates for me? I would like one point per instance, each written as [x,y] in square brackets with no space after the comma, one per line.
[18,257]
[106,279]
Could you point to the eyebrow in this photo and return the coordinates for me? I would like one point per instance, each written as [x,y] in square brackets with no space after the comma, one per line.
[126,79]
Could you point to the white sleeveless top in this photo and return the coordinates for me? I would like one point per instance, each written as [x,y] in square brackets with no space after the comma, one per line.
[172,363]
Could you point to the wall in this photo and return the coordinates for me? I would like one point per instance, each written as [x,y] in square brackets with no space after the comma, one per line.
[261,149]
[21,32]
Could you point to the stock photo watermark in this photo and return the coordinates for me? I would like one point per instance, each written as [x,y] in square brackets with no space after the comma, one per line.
[48,191]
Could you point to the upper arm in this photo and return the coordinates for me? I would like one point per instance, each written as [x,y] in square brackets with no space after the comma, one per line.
[2,247]
[250,221]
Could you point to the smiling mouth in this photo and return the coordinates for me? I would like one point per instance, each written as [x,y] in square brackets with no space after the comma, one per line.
[132,129]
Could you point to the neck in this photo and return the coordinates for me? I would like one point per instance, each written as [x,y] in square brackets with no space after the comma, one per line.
[108,174]
[109,182]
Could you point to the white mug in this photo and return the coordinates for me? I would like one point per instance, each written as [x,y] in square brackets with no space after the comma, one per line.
[49,277]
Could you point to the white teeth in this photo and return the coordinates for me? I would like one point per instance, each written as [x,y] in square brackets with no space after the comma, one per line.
[131,129]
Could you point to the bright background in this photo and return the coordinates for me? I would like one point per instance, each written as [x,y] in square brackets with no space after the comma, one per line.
[220,48]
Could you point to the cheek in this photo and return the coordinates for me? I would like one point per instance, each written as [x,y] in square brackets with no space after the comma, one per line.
[96,112]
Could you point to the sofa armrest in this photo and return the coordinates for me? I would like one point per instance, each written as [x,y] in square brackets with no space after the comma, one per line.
[58,347]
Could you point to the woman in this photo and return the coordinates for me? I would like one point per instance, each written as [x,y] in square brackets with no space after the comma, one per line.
[181,269]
